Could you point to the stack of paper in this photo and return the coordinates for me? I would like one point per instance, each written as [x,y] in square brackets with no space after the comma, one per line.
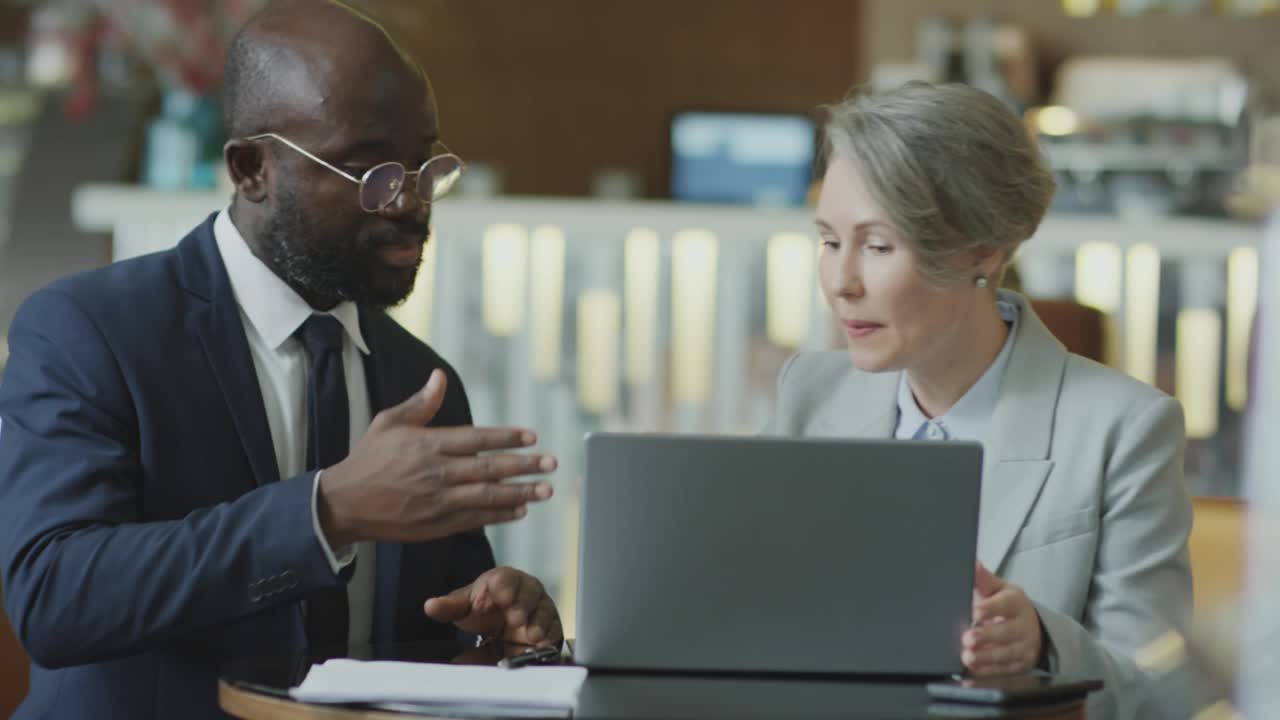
[462,689]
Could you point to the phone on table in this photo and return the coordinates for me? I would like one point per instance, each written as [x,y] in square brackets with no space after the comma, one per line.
[1012,689]
[533,656]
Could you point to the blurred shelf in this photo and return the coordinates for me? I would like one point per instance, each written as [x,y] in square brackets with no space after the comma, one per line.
[1132,157]
[160,218]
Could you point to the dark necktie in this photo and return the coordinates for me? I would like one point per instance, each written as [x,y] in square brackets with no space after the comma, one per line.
[328,437]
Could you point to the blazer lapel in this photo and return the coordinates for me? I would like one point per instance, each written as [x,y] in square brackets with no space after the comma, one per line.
[1015,463]
[221,333]
[1009,489]
[865,406]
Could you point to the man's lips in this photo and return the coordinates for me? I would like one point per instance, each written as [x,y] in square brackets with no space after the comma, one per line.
[404,253]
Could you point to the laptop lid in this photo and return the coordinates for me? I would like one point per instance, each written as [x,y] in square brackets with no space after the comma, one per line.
[765,554]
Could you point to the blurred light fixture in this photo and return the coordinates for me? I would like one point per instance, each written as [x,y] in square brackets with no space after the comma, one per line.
[598,337]
[1099,271]
[567,603]
[1199,340]
[1141,311]
[504,278]
[414,314]
[1242,304]
[547,278]
[1081,8]
[693,312]
[641,259]
[1054,120]
[1098,268]
[789,288]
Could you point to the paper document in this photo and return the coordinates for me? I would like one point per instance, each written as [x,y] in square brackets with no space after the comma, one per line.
[458,686]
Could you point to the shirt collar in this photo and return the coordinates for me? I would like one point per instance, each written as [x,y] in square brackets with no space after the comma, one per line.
[969,417]
[274,309]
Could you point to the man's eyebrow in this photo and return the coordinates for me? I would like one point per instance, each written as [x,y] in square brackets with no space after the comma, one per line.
[360,147]
[374,148]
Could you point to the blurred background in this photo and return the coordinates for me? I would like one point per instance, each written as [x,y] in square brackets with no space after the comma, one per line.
[631,246]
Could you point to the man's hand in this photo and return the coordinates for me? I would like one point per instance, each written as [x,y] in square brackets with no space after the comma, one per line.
[407,483]
[1006,635]
[503,603]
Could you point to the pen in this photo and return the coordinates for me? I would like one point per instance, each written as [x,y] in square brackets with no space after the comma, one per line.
[537,656]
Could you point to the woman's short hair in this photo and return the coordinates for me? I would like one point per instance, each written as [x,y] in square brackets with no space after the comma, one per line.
[952,166]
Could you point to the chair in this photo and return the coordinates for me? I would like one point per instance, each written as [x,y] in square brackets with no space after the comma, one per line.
[14,669]
[1079,327]
[1217,551]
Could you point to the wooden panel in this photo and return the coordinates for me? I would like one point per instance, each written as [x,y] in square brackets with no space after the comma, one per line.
[553,91]
[1217,551]
[13,25]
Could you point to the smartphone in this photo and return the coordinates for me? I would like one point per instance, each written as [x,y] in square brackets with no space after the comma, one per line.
[535,656]
[1013,689]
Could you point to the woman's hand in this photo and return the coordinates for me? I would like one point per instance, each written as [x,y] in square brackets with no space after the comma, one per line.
[1006,637]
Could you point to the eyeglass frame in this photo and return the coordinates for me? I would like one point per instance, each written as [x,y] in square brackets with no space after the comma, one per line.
[360,182]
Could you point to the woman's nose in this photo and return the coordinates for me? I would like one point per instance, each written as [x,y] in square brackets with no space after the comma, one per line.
[850,279]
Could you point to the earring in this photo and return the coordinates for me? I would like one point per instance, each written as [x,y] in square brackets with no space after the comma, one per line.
[981,281]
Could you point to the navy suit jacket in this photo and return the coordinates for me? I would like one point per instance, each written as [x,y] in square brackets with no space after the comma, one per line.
[145,536]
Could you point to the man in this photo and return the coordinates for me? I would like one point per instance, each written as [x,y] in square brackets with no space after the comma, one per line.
[219,451]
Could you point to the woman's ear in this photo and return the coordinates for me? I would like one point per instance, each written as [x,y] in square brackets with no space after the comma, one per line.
[987,261]
[247,165]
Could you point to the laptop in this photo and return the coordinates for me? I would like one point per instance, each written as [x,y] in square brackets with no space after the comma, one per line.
[776,555]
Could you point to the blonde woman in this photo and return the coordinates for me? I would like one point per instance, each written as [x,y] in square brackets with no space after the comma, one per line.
[1082,542]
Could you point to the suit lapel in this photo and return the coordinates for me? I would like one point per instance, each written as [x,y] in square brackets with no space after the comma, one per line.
[221,332]
[381,380]
[1015,463]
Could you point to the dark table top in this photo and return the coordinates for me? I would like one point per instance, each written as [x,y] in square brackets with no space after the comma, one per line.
[606,696]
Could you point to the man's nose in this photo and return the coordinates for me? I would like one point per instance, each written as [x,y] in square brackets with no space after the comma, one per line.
[409,205]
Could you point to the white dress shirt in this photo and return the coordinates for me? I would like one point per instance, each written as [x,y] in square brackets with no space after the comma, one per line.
[969,417]
[271,312]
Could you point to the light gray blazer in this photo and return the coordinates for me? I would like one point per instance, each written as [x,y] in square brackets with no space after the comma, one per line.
[1083,501]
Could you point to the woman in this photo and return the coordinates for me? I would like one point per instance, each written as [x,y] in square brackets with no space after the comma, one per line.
[1082,541]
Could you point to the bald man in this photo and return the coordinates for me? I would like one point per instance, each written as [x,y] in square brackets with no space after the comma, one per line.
[227,449]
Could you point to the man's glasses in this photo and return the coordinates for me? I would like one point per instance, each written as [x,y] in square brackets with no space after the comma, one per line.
[383,183]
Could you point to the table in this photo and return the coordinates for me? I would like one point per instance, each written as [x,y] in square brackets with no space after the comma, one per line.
[258,690]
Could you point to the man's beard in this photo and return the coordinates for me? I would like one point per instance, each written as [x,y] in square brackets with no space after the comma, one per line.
[332,269]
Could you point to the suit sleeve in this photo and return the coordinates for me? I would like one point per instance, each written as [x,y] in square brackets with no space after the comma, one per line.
[85,577]
[1142,574]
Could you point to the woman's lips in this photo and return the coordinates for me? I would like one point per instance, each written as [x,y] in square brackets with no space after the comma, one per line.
[860,328]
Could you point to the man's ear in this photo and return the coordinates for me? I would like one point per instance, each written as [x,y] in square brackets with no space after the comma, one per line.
[247,164]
